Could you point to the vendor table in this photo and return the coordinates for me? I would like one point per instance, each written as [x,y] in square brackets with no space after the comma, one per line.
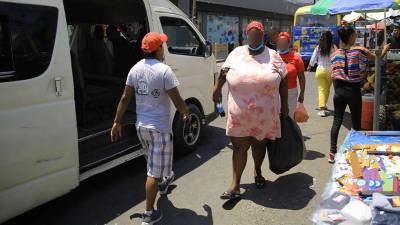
[338,205]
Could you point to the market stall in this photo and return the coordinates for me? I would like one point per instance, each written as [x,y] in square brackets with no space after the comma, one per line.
[364,187]
[382,86]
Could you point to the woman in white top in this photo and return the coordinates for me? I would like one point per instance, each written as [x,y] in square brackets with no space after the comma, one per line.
[321,56]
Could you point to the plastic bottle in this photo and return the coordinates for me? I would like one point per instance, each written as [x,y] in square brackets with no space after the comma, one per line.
[220,110]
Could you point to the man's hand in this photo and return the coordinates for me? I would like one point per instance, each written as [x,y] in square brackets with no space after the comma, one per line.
[116,132]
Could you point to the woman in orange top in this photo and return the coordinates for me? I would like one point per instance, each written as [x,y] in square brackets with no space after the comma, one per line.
[295,69]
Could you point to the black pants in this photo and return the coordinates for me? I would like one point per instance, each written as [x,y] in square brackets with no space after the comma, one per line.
[345,94]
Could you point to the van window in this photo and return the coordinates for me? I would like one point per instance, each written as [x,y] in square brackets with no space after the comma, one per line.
[27,35]
[182,40]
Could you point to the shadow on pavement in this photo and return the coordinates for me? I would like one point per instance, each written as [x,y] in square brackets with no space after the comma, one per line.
[106,196]
[291,192]
[313,155]
[176,216]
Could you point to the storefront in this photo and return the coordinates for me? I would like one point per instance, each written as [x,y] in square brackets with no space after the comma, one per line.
[224,24]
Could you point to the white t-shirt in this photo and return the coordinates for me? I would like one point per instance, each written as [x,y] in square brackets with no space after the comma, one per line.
[151,79]
[324,62]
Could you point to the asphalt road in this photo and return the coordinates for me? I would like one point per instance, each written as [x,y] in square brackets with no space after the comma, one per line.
[117,196]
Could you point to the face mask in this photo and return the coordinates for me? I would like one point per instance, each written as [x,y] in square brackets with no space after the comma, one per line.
[283,52]
[256,49]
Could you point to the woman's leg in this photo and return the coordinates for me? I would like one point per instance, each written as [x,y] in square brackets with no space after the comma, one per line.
[328,86]
[339,101]
[239,160]
[258,149]
[355,105]
[324,82]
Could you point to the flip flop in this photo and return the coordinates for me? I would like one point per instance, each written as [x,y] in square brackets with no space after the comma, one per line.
[260,182]
[230,195]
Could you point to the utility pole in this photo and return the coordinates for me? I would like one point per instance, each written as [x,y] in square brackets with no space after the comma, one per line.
[194,9]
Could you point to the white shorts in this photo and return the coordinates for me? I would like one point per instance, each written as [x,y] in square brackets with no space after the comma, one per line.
[293,95]
[158,150]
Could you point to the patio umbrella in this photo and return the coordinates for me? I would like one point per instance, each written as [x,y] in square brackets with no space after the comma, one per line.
[321,7]
[346,6]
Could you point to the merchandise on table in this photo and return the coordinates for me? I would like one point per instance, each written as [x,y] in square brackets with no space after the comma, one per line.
[365,184]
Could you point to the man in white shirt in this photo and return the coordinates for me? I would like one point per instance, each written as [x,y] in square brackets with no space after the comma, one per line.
[153,83]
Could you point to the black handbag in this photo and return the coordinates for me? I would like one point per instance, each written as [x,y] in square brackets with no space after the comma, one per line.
[289,150]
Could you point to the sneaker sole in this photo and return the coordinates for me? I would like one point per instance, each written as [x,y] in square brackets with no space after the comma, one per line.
[153,222]
[166,189]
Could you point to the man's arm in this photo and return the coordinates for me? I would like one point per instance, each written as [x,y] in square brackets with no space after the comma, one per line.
[178,102]
[122,106]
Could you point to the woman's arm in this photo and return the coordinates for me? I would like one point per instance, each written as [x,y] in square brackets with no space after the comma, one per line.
[283,91]
[217,93]
[313,59]
[302,81]
[371,56]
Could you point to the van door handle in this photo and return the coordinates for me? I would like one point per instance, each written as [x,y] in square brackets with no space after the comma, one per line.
[58,88]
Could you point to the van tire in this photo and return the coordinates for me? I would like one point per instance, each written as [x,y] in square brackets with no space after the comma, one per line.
[186,142]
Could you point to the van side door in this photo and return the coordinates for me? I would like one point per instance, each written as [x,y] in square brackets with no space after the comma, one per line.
[186,55]
[38,135]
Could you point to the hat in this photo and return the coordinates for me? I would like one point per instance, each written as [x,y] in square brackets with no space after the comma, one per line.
[255,25]
[285,35]
[152,41]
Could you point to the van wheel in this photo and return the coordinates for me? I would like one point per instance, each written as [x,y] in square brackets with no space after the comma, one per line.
[187,135]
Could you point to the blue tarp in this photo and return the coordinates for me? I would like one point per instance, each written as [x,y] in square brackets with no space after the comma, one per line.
[346,6]
[358,137]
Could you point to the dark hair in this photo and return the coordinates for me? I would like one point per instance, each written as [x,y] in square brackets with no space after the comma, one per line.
[325,43]
[345,33]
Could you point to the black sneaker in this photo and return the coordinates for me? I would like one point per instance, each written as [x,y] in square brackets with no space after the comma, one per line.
[155,217]
[163,187]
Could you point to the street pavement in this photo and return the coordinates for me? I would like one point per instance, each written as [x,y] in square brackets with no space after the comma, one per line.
[116,197]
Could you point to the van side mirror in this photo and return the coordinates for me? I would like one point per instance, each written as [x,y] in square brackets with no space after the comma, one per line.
[208,51]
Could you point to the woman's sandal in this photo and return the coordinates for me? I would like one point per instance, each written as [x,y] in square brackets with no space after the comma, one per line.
[230,195]
[260,182]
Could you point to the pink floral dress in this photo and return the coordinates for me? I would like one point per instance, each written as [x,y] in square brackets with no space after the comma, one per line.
[253,101]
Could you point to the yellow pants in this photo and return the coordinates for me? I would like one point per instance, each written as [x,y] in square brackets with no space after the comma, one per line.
[324,82]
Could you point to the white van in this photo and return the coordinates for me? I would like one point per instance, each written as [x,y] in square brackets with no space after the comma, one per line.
[63,66]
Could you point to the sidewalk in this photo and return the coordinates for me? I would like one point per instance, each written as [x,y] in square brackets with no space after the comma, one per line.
[288,199]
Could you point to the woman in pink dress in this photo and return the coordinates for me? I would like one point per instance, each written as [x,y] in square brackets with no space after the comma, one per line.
[256,77]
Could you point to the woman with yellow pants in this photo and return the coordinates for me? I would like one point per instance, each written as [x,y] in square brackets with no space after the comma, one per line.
[321,56]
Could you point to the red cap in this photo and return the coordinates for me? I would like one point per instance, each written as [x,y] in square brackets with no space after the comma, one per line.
[285,35]
[255,25]
[152,41]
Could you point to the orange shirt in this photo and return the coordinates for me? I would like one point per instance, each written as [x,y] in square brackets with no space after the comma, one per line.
[294,66]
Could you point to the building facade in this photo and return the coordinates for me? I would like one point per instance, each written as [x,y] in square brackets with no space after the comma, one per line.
[223,22]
